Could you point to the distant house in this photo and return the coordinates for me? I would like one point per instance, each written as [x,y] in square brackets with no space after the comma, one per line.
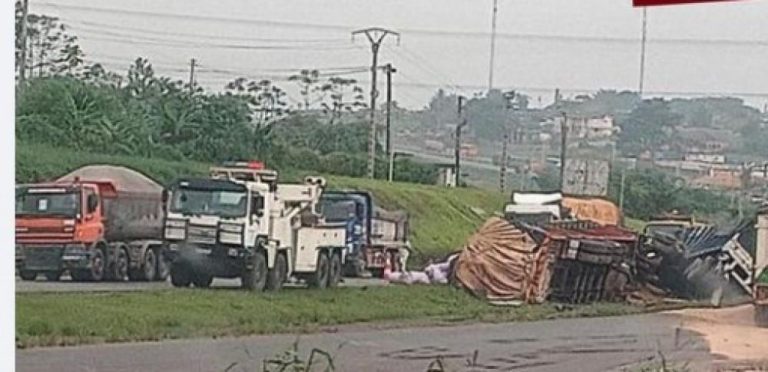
[725,178]
[593,130]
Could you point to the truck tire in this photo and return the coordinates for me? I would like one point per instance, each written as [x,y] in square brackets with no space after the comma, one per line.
[255,279]
[119,268]
[181,276]
[53,276]
[149,265]
[163,267]
[202,280]
[96,272]
[320,278]
[27,275]
[334,270]
[276,276]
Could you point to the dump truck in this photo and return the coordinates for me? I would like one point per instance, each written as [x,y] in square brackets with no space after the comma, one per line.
[374,235]
[97,222]
[241,223]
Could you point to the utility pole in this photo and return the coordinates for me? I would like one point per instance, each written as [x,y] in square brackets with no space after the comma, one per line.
[457,147]
[375,36]
[563,148]
[621,189]
[390,152]
[192,75]
[23,37]
[642,53]
[503,163]
[493,44]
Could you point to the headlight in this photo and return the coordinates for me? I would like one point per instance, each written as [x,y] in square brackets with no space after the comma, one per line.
[180,224]
[230,237]
[175,233]
[232,228]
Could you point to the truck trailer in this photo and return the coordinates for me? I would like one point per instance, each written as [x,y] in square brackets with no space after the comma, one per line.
[241,223]
[97,222]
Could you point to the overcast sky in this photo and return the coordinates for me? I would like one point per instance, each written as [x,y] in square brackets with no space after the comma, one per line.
[542,45]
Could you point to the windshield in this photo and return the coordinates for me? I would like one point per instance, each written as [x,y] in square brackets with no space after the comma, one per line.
[48,202]
[337,210]
[229,204]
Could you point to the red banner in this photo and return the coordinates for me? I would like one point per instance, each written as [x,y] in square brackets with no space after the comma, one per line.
[672,2]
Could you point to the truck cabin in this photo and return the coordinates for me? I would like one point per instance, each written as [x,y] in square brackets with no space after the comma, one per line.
[213,197]
[669,224]
[343,207]
[77,200]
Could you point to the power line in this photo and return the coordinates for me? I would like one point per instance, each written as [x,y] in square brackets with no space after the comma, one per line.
[107,26]
[411,31]
[143,40]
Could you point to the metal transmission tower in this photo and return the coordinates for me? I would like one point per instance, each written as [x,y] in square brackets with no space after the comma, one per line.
[642,53]
[375,36]
[493,44]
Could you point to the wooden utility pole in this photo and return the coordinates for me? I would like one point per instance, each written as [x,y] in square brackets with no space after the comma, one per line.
[192,76]
[457,146]
[563,148]
[389,70]
[23,37]
[375,36]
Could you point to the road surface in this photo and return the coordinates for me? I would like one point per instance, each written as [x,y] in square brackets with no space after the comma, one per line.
[66,285]
[597,344]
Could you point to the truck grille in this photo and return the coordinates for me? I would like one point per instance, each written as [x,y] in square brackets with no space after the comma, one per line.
[43,257]
[201,234]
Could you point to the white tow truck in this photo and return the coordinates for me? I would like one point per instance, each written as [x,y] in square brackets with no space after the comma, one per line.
[241,223]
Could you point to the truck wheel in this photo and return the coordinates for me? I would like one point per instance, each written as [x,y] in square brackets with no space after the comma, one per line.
[180,276]
[334,270]
[320,278]
[53,276]
[276,276]
[255,279]
[27,275]
[96,273]
[120,267]
[149,265]
[202,280]
[163,267]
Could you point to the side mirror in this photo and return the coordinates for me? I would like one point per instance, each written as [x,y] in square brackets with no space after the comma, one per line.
[92,203]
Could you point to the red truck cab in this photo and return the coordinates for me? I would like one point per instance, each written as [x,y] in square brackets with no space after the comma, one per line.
[56,225]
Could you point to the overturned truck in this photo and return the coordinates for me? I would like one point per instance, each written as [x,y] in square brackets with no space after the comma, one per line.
[575,252]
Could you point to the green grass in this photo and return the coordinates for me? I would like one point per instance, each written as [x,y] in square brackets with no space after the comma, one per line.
[441,218]
[69,319]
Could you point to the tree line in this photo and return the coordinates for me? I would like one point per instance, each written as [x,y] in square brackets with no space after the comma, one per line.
[68,102]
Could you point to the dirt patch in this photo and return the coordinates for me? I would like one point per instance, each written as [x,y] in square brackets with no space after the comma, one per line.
[730,332]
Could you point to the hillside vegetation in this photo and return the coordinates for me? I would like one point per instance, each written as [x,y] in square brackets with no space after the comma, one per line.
[441,218]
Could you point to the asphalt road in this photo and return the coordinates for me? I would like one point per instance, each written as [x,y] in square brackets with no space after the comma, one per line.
[598,344]
[65,285]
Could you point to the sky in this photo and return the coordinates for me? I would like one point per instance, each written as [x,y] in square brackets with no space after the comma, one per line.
[577,46]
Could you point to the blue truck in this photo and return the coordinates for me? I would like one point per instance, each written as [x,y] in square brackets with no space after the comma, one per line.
[374,235]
